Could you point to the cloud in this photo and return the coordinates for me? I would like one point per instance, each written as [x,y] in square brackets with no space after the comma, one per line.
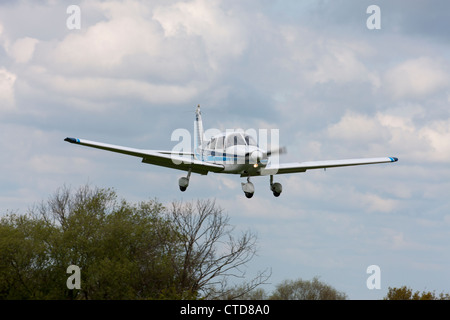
[418,77]
[7,81]
[219,30]
[173,40]
[109,88]
[358,128]
[166,54]
[103,47]
[340,61]
[398,133]
[22,49]
[377,203]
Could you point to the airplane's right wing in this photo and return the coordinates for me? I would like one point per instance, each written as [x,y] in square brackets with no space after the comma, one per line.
[294,167]
[169,159]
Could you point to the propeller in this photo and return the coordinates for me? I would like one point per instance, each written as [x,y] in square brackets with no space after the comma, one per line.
[257,155]
[280,150]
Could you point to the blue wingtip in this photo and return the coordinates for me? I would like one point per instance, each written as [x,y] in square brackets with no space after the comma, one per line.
[393,159]
[72,140]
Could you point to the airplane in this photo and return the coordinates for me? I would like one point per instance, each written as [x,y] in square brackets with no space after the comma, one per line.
[228,153]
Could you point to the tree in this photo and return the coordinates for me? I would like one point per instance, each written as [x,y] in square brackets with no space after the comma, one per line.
[211,253]
[306,290]
[406,293]
[124,250]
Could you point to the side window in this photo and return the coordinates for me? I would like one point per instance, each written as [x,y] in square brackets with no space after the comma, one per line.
[229,142]
[219,145]
[212,144]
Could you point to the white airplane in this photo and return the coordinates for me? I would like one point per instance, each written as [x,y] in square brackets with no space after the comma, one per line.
[228,152]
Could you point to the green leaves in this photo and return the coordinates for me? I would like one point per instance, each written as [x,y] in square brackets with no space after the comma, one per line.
[406,293]
[123,250]
[120,248]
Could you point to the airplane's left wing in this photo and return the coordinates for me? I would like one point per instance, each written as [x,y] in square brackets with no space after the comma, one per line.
[169,159]
[294,167]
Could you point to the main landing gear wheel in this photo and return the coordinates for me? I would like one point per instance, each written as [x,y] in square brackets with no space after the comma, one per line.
[276,187]
[248,188]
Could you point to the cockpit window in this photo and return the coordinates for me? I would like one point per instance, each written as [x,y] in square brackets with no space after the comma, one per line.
[219,144]
[211,144]
[235,139]
[250,141]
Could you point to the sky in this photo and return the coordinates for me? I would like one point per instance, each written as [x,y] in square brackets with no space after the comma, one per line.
[132,72]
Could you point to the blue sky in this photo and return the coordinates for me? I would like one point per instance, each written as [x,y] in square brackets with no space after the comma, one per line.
[135,71]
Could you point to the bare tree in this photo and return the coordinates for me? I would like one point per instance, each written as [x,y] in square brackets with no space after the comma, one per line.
[212,254]
[64,202]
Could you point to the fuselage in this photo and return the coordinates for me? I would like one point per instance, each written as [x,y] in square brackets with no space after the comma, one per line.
[236,151]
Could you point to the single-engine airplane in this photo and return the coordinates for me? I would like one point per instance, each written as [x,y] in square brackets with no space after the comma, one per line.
[227,152]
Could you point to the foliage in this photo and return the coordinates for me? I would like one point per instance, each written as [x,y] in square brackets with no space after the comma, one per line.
[124,251]
[140,251]
[406,293]
[306,290]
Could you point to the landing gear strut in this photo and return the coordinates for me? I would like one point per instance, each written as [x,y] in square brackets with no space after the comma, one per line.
[183,182]
[248,188]
[276,187]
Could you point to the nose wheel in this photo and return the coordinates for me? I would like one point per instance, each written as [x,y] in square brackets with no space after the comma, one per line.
[248,188]
[276,187]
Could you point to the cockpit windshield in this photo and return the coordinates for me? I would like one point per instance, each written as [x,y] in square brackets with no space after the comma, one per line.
[235,139]
[239,139]
[250,141]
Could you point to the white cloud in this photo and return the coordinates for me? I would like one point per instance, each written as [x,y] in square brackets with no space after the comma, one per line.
[219,30]
[376,203]
[438,136]
[93,88]
[166,54]
[22,49]
[169,41]
[103,46]
[319,59]
[416,78]
[396,133]
[359,128]
[338,61]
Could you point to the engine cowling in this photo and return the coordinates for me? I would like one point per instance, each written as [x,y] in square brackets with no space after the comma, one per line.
[256,156]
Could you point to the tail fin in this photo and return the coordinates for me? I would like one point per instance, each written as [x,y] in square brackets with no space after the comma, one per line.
[198,134]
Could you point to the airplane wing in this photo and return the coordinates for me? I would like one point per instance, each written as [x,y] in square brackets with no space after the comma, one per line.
[294,167]
[169,159]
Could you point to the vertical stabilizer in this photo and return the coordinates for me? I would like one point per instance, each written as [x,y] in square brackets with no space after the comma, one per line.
[198,134]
